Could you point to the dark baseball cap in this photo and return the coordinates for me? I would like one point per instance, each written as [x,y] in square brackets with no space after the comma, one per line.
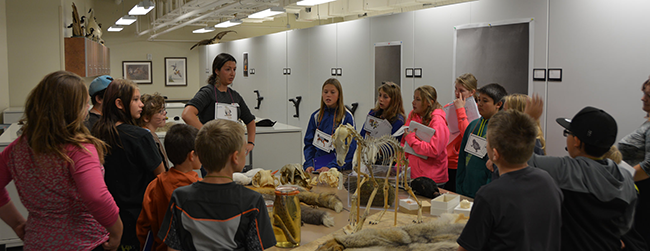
[592,126]
[99,84]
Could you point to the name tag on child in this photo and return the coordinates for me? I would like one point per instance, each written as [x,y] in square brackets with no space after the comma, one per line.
[226,111]
[476,146]
[376,127]
[323,141]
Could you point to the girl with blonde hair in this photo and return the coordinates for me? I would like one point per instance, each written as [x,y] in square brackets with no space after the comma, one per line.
[428,112]
[464,88]
[319,155]
[518,101]
[56,166]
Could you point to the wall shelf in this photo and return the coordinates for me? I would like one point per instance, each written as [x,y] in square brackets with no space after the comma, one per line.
[86,58]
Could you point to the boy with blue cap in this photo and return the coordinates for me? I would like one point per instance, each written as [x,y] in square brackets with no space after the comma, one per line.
[96,92]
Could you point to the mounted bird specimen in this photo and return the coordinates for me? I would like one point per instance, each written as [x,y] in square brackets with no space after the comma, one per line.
[77,29]
[93,29]
[213,40]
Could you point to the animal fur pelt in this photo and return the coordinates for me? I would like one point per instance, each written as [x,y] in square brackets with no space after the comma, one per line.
[213,40]
[311,215]
[326,200]
[440,234]
[366,190]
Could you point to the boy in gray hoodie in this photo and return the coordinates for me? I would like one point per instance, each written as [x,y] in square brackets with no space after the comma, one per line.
[599,197]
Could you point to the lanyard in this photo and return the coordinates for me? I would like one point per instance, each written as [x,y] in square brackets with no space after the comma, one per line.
[227,90]
[481,128]
[333,121]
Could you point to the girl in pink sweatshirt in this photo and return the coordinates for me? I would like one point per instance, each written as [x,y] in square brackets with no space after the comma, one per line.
[427,111]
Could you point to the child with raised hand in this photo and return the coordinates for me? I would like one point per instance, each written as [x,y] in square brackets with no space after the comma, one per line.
[599,196]
[319,151]
[179,141]
[522,209]
[428,112]
[154,116]
[217,213]
[133,160]
[464,88]
[472,158]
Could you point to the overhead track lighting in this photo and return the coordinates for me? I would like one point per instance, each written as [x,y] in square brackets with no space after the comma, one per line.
[142,8]
[126,20]
[313,2]
[204,30]
[268,12]
[229,23]
[115,28]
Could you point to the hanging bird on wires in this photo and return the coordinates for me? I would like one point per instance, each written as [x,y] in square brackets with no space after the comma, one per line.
[213,40]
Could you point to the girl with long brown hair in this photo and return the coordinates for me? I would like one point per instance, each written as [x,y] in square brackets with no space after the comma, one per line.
[428,112]
[56,167]
[389,107]
[133,159]
[319,154]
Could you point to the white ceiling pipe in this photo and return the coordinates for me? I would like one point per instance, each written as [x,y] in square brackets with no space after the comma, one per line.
[224,8]
[185,16]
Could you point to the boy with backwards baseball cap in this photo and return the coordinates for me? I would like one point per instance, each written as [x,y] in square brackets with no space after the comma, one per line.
[96,92]
[599,197]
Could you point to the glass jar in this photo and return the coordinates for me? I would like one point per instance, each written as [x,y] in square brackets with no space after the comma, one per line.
[286,217]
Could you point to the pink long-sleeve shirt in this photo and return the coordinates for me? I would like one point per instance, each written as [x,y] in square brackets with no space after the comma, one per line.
[69,205]
[435,166]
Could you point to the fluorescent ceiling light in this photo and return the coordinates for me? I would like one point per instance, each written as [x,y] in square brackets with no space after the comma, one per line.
[204,30]
[268,12]
[142,8]
[313,2]
[126,20]
[229,23]
[115,28]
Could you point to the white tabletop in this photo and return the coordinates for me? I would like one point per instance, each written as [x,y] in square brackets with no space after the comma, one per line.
[9,135]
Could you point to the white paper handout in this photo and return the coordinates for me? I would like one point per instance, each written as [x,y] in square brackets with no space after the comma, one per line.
[476,146]
[421,131]
[452,119]
[323,141]
[376,127]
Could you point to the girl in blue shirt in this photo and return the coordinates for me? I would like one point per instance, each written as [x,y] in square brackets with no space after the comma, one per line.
[319,152]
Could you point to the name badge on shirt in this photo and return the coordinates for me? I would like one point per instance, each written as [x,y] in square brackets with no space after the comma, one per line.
[376,127]
[476,146]
[226,111]
[323,141]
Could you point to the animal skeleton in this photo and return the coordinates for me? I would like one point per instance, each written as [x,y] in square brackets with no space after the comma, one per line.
[294,175]
[265,178]
[367,150]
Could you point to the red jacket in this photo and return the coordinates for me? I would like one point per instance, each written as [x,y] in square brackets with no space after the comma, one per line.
[454,146]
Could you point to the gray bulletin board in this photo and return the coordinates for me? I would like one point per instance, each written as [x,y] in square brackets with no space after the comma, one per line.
[388,64]
[496,53]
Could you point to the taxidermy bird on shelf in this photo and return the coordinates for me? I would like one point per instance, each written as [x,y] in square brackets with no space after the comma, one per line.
[77,29]
[93,29]
[213,40]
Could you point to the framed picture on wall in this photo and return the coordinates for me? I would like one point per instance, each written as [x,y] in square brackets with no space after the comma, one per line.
[175,71]
[137,71]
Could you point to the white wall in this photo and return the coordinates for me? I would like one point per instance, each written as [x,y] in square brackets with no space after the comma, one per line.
[4,71]
[602,58]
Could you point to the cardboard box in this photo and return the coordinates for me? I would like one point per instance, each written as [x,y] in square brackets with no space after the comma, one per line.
[410,205]
[444,203]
